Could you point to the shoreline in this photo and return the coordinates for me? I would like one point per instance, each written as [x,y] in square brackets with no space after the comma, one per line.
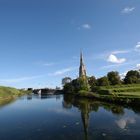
[9,94]
[120,94]
[108,98]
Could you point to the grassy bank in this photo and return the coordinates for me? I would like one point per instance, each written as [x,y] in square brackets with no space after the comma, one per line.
[126,91]
[7,93]
[125,94]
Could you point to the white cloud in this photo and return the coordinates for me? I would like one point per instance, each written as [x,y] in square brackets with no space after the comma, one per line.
[128,10]
[113,59]
[137,47]
[110,66]
[20,79]
[120,52]
[48,64]
[138,66]
[106,54]
[43,63]
[86,26]
[62,71]
[122,75]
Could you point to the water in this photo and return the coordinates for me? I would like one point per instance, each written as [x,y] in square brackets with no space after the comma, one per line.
[66,118]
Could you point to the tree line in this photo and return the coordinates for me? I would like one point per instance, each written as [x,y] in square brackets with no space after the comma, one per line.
[112,78]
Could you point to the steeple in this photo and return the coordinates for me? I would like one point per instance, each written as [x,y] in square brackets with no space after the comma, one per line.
[82,69]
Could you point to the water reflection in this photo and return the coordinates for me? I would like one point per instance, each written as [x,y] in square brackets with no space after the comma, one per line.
[5,102]
[29,97]
[122,123]
[49,96]
[86,106]
[65,117]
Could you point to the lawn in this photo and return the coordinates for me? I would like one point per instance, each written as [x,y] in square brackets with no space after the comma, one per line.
[125,94]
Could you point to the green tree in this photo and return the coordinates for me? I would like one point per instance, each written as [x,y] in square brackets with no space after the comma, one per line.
[132,76]
[103,81]
[68,88]
[83,84]
[92,81]
[114,78]
[76,85]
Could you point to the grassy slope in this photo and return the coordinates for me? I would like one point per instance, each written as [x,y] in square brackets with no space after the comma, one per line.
[124,91]
[123,94]
[8,92]
[8,95]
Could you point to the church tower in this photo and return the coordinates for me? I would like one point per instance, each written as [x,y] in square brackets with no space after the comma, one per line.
[82,69]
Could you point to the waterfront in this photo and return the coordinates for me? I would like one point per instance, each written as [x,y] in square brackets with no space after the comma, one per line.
[56,117]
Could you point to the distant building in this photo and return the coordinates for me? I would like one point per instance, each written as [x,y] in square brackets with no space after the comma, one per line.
[82,69]
[66,80]
[30,89]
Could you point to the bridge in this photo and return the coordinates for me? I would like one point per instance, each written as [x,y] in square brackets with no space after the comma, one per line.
[47,91]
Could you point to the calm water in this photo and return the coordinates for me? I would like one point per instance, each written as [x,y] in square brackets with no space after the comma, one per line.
[65,118]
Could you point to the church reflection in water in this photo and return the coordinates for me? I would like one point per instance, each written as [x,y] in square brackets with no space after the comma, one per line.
[86,106]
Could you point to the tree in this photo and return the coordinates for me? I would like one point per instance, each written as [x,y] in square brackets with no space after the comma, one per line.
[76,85]
[92,81]
[83,84]
[114,78]
[132,76]
[68,88]
[103,81]
[66,80]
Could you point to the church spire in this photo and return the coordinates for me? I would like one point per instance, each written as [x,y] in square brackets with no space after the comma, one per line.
[82,69]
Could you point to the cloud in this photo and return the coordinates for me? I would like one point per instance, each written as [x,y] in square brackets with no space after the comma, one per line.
[122,75]
[122,123]
[138,66]
[113,59]
[120,52]
[42,63]
[114,66]
[105,55]
[128,10]
[48,64]
[62,71]
[20,79]
[85,26]
[137,47]
[110,66]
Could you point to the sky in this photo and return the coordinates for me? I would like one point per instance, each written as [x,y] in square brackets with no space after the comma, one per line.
[41,40]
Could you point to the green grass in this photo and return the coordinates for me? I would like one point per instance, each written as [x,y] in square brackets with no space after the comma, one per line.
[123,94]
[121,90]
[8,92]
[8,95]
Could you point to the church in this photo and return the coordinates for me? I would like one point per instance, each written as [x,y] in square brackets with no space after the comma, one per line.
[82,69]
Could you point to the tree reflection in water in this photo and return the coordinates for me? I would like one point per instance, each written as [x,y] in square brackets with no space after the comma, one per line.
[86,106]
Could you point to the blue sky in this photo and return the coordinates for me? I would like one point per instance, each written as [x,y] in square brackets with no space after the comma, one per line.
[40,40]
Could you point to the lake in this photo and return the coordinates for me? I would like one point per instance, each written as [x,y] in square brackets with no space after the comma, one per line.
[61,117]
